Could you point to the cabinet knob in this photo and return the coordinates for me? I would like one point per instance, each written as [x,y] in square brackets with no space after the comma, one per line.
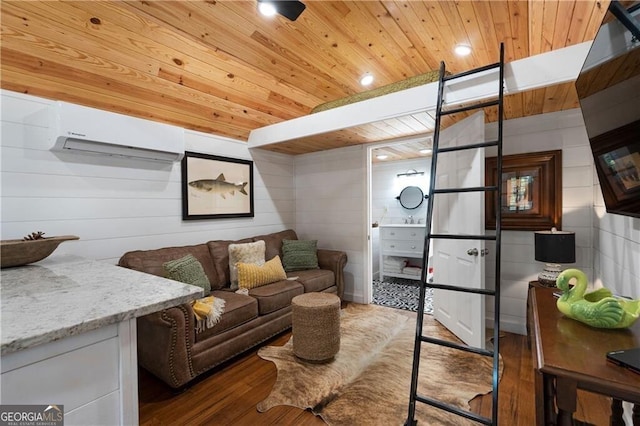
[413,247]
[392,246]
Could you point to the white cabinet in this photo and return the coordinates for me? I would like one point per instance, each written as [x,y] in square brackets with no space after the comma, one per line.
[401,246]
[93,375]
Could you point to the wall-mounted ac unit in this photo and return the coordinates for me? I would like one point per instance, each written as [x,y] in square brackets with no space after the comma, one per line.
[92,131]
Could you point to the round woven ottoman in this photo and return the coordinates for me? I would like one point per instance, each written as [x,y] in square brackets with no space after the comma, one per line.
[316,326]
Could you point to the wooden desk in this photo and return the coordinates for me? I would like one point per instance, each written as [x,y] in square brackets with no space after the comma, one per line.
[569,355]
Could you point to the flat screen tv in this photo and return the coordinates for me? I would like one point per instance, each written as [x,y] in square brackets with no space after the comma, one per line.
[608,88]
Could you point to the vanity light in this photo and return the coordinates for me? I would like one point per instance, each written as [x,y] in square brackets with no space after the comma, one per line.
[410,172]
[462,50]
[366,79]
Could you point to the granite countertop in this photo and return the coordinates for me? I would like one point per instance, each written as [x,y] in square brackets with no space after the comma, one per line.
[67,295]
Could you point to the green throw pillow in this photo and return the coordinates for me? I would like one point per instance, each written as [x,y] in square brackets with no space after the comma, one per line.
[299,254]
[187,270]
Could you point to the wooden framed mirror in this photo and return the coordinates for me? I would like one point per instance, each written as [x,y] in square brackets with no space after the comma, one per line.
[531,196]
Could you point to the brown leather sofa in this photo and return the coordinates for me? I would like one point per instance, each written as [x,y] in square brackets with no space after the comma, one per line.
[168,344]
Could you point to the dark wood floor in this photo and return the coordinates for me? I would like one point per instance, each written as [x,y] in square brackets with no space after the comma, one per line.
[229,395]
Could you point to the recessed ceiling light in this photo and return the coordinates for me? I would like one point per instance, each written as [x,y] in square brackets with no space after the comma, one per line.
[382,156]
[290,9]
[462,50]
[267,8]
[425,151]
[366,79]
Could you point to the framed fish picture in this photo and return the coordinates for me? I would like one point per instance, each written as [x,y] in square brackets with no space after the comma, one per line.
[215,187]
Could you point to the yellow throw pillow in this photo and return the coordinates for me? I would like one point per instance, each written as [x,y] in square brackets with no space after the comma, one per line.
[251,275]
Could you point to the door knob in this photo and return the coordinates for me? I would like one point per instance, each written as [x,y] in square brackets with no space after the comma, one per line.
[472,252]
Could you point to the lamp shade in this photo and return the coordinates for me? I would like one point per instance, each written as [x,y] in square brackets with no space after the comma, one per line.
[555,246]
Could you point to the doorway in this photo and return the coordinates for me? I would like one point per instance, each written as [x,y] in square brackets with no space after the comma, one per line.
[393,234]
[395,168]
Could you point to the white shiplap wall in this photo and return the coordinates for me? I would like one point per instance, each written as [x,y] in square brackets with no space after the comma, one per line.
[616,249]
[561,130]
[116,205]
[331,207]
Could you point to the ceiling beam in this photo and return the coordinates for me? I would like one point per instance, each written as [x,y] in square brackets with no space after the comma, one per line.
[543,70]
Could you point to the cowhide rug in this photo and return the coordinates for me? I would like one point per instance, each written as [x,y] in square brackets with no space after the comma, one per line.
[368,381]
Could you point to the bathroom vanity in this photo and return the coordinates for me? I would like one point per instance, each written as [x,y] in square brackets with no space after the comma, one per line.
[400,241]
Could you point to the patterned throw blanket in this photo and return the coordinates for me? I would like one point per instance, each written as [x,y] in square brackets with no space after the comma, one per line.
[208,311]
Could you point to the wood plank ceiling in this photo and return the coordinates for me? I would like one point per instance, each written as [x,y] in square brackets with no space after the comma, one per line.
[220,67]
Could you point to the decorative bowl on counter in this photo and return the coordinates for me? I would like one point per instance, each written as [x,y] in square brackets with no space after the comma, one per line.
[22,252]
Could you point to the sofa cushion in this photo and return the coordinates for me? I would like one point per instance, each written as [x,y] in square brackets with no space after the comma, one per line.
[187,270]
[152,261]
[300,254]
[274,242]
[219,253]
[251,275]
[246,253]
[238,310]
[314,279]
[274,296]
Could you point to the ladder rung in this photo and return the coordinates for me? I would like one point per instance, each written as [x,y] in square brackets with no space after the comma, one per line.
[453,409]
[471,146]
[469,189]
[454,345]
[470,107]
[473,71]
[484,291]
[463,237]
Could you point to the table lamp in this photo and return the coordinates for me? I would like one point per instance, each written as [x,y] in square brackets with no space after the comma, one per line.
[554,247]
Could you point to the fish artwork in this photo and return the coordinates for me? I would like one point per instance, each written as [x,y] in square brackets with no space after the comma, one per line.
[219,186]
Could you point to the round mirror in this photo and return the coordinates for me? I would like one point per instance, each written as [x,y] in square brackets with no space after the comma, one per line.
[411,197]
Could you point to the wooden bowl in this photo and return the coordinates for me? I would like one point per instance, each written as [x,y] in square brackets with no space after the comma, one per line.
[21,252]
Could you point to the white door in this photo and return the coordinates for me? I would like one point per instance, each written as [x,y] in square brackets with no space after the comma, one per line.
[459,262]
